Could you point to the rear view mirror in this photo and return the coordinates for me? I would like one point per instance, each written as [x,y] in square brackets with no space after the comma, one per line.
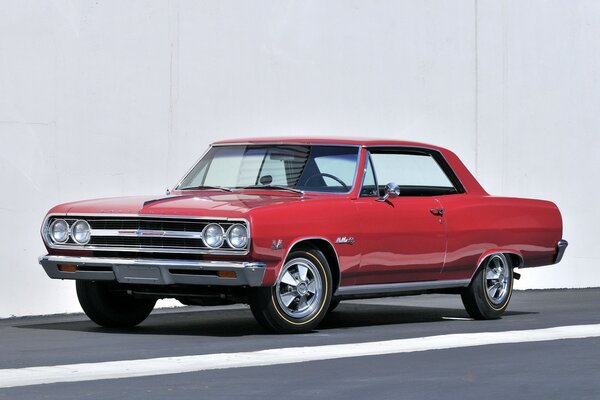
[391,190]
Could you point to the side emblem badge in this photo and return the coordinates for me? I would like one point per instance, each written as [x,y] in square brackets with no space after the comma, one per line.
[277,244]
[345,240]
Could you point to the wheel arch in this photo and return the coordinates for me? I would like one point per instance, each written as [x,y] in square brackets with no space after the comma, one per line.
[325,247]
[514,258]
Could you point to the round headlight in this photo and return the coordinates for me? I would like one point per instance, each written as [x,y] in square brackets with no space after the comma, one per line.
[237,236]
[213,235]
[59,231]
[81,232]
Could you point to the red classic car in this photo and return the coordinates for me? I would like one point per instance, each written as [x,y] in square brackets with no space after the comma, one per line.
[293,226]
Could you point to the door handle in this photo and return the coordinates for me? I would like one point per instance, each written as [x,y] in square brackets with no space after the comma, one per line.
[437,211]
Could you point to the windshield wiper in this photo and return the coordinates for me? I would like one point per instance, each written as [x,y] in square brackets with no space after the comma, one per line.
[274,187]
[202,187]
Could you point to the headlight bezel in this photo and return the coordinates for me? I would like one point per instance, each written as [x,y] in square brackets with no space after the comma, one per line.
[221,236]
[51,231]
[228,236]
[74,233]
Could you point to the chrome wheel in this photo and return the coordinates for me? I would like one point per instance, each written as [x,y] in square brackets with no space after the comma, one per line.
[489,292]
[299,289]
[497,279]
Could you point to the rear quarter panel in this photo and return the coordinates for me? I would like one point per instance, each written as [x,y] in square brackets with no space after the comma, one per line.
[481,225]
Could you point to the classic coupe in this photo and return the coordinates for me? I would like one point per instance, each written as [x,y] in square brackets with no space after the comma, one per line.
[293,226]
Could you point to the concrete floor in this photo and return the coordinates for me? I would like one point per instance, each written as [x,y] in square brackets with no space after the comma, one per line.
[562,369]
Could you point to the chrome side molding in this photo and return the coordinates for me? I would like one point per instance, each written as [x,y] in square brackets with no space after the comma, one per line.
[398,288]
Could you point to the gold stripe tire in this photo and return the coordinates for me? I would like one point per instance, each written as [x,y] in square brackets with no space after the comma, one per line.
[300,298]
[490,290]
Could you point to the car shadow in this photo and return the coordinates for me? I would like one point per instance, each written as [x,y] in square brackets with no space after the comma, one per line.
[240,322]
[357,315]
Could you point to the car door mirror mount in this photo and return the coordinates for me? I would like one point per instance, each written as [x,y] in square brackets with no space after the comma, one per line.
[391,190]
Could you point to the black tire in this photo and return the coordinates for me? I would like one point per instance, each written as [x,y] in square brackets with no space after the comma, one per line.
[107,306]
[333,304]
[488,295]
[306,309]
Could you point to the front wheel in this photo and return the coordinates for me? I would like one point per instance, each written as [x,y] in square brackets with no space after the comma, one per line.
[301,296]
[490,290]
[110,307]
[333,305]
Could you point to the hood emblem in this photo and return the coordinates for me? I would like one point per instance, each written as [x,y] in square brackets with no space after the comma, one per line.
[345,240]
[141,233]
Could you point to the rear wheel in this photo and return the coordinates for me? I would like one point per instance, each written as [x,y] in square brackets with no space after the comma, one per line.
[301,296]
[490,290]
[110,307]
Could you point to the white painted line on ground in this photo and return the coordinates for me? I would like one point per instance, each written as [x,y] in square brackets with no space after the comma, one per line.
[175,365]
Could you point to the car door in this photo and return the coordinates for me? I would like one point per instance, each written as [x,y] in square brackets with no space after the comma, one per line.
[402,239]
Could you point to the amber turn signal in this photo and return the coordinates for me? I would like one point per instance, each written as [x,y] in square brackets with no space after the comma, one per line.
[227,274]
[67,268]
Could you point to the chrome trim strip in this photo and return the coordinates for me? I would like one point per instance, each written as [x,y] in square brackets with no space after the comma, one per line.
[368,162]
[211,265]
[275,143]
[561,246]
[364,290]
[248,273]
[146,233]
[123,215]
[165,250]
[176,187]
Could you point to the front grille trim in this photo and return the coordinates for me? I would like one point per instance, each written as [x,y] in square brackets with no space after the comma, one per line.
[186,240]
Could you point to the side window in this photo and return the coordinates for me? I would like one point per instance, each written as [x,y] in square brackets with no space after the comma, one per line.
[369,187]
[417,174]
[330,169]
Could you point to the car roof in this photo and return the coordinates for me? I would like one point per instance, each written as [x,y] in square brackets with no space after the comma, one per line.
[326,140]
[464,175]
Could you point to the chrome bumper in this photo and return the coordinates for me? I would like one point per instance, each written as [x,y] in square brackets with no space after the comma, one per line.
[154,272]
[561,246]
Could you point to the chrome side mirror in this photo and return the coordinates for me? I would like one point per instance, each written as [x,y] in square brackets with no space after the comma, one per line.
[391,190]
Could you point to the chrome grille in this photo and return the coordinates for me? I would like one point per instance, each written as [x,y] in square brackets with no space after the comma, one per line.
[149,234]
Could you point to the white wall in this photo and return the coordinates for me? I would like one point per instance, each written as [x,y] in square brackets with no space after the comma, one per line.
[103,98]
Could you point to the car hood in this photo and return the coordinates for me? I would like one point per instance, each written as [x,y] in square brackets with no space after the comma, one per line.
[194,204]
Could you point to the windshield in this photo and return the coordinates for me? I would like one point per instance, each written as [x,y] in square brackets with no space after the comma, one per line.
[316,168]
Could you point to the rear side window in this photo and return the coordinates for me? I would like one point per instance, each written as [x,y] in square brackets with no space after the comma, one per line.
[417,174]
[409,170]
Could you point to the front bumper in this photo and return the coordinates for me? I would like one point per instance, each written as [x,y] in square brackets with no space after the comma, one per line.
[154,272]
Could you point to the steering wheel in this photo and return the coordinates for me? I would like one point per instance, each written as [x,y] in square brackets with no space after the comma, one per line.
[325,174]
